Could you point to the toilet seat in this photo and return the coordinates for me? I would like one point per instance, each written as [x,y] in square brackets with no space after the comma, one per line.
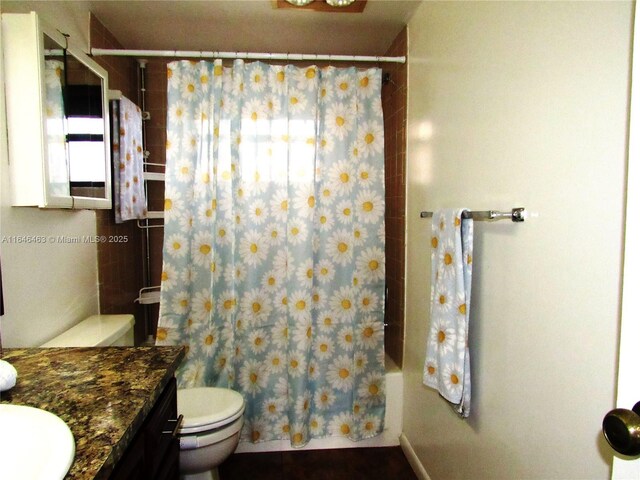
[208,408]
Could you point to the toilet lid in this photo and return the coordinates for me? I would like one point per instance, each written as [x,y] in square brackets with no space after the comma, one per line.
[207,408]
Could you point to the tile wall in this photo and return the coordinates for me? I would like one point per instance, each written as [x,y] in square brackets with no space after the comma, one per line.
[394,105]
[119,263]
[156,105]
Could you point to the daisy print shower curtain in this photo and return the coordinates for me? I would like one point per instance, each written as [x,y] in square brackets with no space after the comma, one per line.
[273,272]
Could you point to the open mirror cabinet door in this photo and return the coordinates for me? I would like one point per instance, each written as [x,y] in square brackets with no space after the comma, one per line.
[57,118]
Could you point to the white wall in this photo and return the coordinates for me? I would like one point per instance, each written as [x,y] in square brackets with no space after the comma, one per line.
[69,17]
[47,287]
[521,104]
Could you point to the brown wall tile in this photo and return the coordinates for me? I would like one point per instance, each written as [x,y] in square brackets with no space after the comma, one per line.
[156,104]
[394,101]
[119,262]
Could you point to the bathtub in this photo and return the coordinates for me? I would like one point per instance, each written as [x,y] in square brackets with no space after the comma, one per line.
[388,438]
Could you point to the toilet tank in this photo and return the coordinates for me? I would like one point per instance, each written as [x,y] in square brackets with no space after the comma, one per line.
[97,331]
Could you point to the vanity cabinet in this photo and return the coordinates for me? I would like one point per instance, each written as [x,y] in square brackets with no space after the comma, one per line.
[57,118]
[154,451]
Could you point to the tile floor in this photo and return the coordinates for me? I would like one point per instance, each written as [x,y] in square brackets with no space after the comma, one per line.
[339,464]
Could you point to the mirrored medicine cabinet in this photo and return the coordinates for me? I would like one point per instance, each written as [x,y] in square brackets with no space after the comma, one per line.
[57,118]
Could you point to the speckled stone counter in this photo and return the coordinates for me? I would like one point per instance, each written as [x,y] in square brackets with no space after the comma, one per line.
[103,394]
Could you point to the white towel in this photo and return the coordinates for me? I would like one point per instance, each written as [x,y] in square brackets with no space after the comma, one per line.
[446,365]
[128,156]
[8,376]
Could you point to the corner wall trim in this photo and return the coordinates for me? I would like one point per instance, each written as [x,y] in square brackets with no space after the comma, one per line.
[412,458]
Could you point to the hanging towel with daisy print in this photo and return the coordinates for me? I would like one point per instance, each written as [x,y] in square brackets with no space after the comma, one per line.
[446,365]
[127,151]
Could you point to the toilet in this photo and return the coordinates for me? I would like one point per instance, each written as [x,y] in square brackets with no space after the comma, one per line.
[212,417]
[210,431]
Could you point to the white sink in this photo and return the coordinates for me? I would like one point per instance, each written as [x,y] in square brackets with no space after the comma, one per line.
[34,444]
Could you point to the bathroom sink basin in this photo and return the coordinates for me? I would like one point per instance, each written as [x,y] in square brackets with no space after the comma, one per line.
[34,444]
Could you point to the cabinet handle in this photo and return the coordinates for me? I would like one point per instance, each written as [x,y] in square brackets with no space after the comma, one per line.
[174,432]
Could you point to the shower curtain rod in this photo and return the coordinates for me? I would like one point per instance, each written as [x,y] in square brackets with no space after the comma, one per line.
[244,55]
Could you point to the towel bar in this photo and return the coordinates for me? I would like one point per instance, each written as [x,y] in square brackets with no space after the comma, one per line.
[515,215]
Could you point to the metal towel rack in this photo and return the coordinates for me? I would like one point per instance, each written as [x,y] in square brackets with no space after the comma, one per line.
[515,215]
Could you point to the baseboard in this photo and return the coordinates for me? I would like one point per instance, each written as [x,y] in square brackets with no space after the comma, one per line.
[412,458]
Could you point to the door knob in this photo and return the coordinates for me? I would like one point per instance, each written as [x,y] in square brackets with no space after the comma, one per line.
[621,428]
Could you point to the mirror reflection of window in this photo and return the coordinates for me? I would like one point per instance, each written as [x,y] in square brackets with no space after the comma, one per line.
[86,151]
[54,114]
[85,131]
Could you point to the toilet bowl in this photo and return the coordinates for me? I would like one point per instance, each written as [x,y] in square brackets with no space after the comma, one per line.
[210,430]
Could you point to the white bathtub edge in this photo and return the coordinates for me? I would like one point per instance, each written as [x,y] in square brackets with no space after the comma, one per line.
[385,439]
[412,458]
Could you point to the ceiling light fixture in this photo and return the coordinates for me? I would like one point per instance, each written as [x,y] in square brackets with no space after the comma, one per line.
[340,3]
[333,3]
[335,6]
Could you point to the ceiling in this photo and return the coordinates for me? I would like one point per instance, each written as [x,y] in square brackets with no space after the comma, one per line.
[252,25]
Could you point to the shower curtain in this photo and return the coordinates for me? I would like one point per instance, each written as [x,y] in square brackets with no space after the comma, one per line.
[273,273]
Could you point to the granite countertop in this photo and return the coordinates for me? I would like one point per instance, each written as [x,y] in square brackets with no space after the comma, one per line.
[103,394]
